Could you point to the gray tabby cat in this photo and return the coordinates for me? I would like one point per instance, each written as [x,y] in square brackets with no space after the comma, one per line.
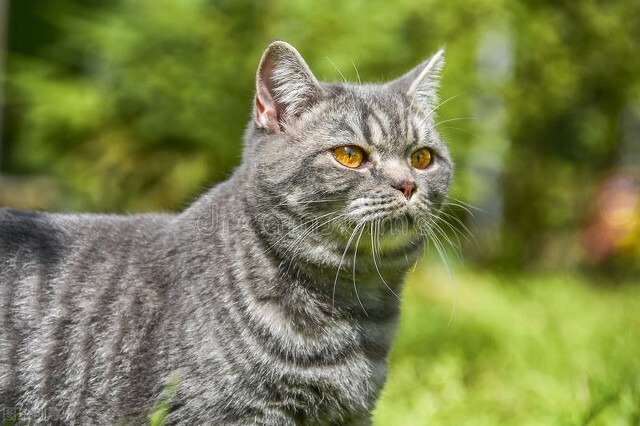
[272,299]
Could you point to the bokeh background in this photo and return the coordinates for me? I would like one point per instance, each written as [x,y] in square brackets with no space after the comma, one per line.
[533,314]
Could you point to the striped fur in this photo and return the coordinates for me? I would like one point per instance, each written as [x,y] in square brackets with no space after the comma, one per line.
[272,299]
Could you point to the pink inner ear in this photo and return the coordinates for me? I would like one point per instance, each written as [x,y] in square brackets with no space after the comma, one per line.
[266,114]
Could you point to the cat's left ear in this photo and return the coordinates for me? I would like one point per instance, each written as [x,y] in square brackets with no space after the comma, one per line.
[421,83]
[285,87]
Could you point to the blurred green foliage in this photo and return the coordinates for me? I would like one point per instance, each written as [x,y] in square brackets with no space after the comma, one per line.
[138,105]
[536,350]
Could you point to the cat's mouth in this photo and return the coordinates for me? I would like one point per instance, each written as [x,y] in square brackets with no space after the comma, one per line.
[391,214]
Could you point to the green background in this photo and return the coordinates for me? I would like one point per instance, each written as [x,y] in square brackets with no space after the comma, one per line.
[140,105]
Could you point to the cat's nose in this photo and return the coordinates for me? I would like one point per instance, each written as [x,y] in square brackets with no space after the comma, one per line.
[407,188]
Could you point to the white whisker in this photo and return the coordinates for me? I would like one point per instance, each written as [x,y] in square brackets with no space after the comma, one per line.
[454,119]
[434,109]
[465,232]
[442,254]
[337,69]
[357,73]
[299,226]
[355,255]
[462,130]
[335,282]
[296,246]
[305,202]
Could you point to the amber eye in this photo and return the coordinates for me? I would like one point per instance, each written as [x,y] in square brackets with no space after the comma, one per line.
[350,155]
[421,159]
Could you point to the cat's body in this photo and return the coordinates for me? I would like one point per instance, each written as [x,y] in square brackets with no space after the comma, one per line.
[269,299]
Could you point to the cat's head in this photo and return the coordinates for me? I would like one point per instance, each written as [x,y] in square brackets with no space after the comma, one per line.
[350,156]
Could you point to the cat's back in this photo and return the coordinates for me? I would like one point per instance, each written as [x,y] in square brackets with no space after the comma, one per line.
[24,233]
[47,236]
[75,290]
[58,244]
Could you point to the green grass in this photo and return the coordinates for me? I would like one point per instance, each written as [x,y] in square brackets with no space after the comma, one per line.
[553,350]
[162,408]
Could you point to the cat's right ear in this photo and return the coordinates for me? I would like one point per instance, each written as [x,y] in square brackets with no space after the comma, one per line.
[421,83]
[285,87]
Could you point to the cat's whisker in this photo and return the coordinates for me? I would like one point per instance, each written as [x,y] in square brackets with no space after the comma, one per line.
[297,244]
[441,217]
[309,222]
[438,231]
[442,253]
[370,212]
[442,233]
[305,202]
[378,225]
[465,232]
[461,130]
[317,226]
[355,255]
[454,119]
[374,236]
[357,73]
[415,266]
[346,249]
[434,109]
[463,206]
[463,203]
[434,222]
[371,201]
[344,79]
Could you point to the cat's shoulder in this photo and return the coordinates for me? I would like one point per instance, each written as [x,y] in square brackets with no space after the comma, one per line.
[12,219]
[36,231]
[27,230]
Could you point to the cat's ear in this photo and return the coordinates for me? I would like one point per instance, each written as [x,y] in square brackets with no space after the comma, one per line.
[421,84]
[285,87]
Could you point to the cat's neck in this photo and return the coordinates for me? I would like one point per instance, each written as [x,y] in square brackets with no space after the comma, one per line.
[349,277]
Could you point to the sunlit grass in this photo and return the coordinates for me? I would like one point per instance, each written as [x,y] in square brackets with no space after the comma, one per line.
[553,350]
[162,408]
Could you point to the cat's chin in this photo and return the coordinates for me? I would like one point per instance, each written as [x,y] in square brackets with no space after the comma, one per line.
[389,235]
[395,235]
[394,241]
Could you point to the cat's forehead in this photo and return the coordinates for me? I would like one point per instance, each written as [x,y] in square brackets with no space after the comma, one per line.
[359,96]
[373,115]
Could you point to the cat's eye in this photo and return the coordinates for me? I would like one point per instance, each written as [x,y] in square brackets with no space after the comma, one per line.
[421,159]
[349,155]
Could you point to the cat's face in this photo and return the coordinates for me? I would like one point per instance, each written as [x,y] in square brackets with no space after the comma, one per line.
[352,157]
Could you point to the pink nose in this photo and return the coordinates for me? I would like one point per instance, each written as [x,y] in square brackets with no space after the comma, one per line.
[407,188]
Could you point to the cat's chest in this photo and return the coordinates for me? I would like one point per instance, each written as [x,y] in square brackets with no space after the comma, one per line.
[341,361]
[328,388]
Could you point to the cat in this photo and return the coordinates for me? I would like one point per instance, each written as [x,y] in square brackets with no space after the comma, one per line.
[271,300]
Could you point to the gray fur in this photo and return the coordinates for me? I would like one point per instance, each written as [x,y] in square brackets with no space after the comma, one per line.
[272,298]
